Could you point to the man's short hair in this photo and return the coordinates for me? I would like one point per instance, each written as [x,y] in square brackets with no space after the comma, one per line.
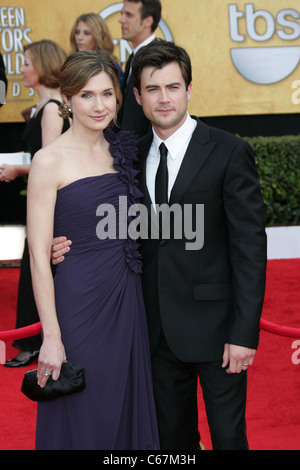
[158,54]
[150,8]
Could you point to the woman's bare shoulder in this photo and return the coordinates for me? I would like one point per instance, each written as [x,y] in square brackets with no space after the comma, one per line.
[49,158]
[53,150]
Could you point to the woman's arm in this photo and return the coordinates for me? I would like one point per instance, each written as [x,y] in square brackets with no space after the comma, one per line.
[52,124]
[41,198]
[11,172]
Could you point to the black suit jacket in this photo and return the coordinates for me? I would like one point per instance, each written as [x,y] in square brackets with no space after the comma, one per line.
[131,116]
[205,298]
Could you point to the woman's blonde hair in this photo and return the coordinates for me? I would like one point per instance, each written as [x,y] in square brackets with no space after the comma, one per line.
[99,30]
[47,58]
[79,68]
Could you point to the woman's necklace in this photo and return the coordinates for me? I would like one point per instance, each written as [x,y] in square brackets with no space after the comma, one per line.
[41,102]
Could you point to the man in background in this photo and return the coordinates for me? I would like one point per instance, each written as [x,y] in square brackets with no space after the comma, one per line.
[139,19]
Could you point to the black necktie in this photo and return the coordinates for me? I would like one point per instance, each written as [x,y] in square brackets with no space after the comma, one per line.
[161,180]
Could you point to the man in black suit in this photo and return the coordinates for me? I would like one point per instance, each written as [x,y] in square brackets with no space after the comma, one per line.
[139,19]
[203,298]
[203,305]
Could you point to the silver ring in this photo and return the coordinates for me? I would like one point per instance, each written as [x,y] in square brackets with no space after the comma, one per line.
[245,364]
[47,373]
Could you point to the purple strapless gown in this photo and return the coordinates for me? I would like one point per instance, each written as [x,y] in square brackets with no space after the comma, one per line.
[103,322]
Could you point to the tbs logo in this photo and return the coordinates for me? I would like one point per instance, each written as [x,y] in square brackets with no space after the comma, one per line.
[265,65]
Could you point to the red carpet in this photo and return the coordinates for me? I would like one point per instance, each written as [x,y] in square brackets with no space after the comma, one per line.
[273,409]
[17,413]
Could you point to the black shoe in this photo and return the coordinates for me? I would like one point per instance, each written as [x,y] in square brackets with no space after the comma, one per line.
[17,363]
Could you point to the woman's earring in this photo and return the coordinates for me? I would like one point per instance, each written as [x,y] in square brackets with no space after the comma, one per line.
[70,109]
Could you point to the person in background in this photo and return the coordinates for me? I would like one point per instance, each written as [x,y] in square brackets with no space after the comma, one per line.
[3,78]
[42,63]
[92,313]
[139,20]
[91,33]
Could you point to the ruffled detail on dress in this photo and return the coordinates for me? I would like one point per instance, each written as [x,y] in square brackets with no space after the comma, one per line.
[123,147]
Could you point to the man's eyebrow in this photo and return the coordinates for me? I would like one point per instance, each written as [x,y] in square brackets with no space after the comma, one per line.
[157,86]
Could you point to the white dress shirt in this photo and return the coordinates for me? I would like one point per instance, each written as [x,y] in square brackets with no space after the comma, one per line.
[144,43]
[177,145]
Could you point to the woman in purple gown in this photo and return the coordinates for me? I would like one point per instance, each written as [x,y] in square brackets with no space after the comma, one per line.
[93,313]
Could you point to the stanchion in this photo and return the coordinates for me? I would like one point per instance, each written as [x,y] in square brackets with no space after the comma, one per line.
[280,330]
[19,333]
[35,328]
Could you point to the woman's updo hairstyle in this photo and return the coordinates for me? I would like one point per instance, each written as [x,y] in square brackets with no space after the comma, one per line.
[79,68]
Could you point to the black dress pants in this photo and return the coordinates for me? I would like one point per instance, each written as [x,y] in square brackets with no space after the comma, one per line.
[175,392]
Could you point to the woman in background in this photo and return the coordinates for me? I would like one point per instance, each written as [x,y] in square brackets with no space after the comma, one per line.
[42,63]
[91,33]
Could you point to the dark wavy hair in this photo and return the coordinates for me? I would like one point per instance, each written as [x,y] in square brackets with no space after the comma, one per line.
[150,8]
[158,54]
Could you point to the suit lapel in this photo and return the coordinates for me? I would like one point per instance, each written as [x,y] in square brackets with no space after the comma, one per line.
[197,152]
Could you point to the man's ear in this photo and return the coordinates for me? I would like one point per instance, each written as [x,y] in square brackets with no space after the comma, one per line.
[189,92]
[148,22]
[137,96]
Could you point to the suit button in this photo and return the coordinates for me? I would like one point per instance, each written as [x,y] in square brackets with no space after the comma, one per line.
[163,242]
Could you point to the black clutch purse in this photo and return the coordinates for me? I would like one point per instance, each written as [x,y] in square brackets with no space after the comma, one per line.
[71,380]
